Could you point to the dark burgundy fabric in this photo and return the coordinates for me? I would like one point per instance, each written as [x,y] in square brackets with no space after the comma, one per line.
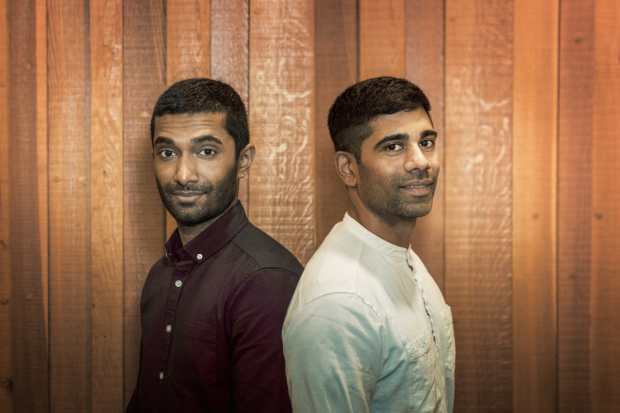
[224,350]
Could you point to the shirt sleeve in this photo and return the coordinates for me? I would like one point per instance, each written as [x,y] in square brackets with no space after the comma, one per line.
[256,315]
[333,350]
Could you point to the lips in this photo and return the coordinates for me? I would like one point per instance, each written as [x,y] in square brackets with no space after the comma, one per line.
[418,187]
[185,197]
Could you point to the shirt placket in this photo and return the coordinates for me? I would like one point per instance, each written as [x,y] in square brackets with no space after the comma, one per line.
[181,273]
[432,323]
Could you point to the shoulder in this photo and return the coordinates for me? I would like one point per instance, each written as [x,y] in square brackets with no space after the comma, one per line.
[265,251]
[334,267]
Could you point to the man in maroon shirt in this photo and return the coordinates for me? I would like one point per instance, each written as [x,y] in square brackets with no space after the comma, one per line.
[212,308]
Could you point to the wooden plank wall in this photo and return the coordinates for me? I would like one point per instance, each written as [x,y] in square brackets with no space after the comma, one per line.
[524,234]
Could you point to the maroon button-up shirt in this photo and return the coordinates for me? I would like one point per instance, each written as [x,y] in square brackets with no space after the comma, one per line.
[212,314]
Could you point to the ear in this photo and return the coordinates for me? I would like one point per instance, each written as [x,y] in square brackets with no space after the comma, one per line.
[246,157]
[346,166]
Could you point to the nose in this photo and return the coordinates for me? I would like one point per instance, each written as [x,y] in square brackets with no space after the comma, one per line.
[416,159]
[186,170]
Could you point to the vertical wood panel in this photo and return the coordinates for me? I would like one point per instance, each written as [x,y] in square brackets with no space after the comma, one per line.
[479,199]
[382,38]
[424,34]
[605,306]
[188,49]
[69,246]
[282,122]
[336,69]
[229,57]
[42,148]
[535,206]
[29,316]
[6,344]
[144,79]
[106,166]
[575,203]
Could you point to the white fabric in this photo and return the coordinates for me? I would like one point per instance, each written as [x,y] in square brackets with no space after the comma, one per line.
[368,330]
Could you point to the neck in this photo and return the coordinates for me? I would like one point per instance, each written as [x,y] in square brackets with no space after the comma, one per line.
[396,231]
[189,232]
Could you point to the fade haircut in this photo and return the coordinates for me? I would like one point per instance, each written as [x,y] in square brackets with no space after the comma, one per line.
[200,95]
[351,114]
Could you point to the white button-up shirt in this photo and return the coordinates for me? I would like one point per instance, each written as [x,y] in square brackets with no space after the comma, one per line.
[368,330]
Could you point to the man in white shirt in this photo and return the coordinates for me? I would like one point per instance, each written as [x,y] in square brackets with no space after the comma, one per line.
[368,329]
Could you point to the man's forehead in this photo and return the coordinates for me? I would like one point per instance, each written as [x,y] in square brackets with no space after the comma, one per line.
[188,123]
[415,121]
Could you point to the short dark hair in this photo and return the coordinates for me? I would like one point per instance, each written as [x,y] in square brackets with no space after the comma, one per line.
[201,95]
[351,114]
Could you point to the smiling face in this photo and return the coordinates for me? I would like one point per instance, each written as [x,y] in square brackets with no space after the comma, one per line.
[399,166]
[195,166]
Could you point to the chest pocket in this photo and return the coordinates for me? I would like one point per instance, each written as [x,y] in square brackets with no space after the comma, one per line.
[421,361]
[193,353]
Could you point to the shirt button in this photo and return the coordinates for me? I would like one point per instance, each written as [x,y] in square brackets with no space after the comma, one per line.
[161,375]
[168,328]
[178,283]
[199,256]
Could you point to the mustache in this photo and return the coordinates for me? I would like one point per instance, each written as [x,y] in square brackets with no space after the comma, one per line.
[170,187]
[418,176]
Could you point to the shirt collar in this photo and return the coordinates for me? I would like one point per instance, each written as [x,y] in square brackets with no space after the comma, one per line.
[209,241]
[394,252]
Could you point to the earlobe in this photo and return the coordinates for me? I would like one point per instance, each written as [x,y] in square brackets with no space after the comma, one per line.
[346,168]
[246,157]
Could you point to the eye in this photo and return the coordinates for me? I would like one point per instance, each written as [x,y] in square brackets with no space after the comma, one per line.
[207,152]
[427,143]
[166,153]
[393,147]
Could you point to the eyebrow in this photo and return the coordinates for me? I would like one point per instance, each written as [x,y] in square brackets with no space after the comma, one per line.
[199,139]
[404,137]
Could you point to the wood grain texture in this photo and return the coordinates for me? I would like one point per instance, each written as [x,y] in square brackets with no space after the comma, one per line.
[535,206]
[188,49]
[30,344]
[336,69]
[42,148]
[106,207]
[575,203]
[479,57]
[69,224]
[6,344]
[144,79]
[605,284]
[282,122]
[229,57]
[381,38]
[424,61]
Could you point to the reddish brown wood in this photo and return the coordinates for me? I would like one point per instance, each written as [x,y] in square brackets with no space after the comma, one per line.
[188,49]
[229,56]
[381,38]
[144,79]
[106,168]
[6,344]
[575,204]
[30,346]
[336,69]
[479,58]
[605,305]
[424,60]
[69,224]
[282,122]
[535,206]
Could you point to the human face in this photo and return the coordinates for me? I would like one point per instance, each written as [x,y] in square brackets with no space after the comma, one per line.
[195,166]
[399,167]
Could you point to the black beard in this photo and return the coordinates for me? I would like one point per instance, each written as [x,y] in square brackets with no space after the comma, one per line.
[219,196]
[383,199]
